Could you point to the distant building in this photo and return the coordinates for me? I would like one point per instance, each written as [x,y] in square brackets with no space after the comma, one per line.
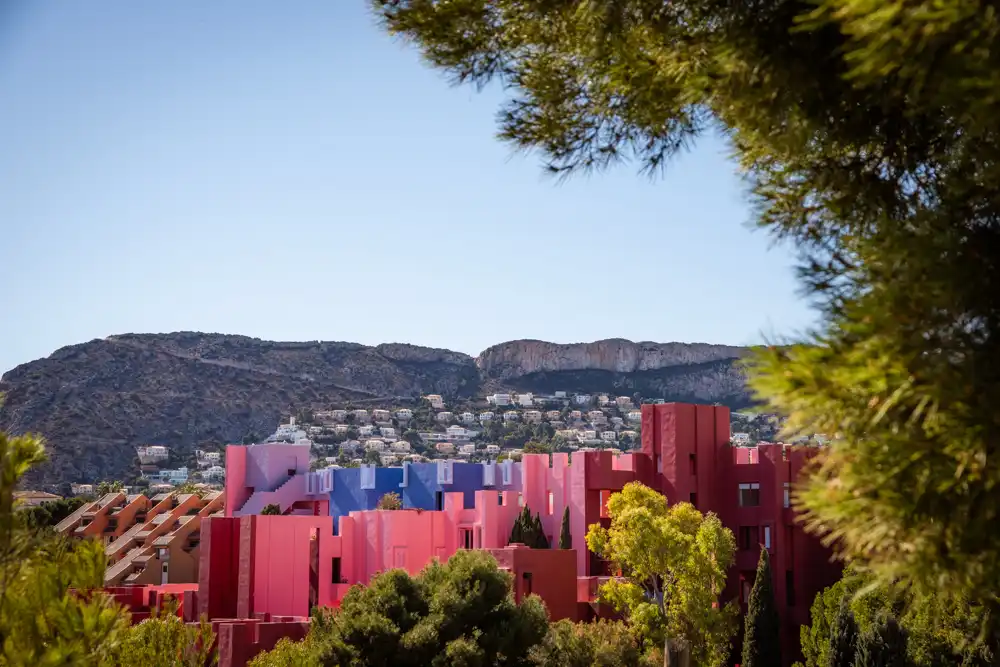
[387,432]
[597,417]
[82,489]
[634,415]
[525,400]
[33,498]
[152,454]
[435,400]
[533,416]
[624,402]
[367,429]
[609,436]
[444,416]
[511,416]
[485,417]
[603,400]
[445,447]
[492,449]
[499,400]
[468,418]
[381,415]
[404,414]
[740,439]
[582,399]
[360,415]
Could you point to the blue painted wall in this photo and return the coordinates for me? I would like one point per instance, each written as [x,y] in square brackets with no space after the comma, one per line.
[421,490]
[348,496]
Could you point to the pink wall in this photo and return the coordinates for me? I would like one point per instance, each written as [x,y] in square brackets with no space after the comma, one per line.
[281,563]
[237,490]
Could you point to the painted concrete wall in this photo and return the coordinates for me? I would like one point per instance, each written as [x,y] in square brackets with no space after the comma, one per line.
[347,495]
[268,464]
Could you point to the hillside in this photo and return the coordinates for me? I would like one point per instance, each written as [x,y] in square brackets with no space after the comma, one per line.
[96,401]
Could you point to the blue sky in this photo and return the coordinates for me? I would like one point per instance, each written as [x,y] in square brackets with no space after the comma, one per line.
[288,171]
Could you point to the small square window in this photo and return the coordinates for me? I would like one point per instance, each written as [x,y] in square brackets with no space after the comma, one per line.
[786,500]
[750,495]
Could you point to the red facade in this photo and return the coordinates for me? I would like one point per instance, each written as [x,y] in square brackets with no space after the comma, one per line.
[747,488]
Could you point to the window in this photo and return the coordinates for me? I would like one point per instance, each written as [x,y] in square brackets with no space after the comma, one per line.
[694,499]
[767,537]
[745,586]
[692,464]
[336,571]
[439,500]
[552,500]
[467,538]
[786,500]
[527,583]
[789,588]
[748,537]
[750,495]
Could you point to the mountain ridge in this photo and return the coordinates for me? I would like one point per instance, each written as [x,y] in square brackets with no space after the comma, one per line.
[95,401]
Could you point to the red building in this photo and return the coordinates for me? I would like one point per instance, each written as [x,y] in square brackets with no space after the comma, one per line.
[748,488]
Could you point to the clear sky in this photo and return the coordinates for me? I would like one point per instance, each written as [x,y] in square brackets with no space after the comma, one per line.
[287,171]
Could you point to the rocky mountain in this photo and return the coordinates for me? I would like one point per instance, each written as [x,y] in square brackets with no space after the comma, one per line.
[96,401]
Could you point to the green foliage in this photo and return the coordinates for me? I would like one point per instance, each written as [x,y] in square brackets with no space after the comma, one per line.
[41,621]
[527,530]
[565,537]
[287,653]
[271,509]
[599,644]
[107,486]
[882,646]
[390,501]
[537,447]
[675,561]
[164,640]
[843,641]
[940,630]
[457,613]
[868,136]
[48,514]
[761,642]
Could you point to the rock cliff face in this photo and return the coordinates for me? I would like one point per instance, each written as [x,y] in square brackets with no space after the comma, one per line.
[95,402]
[523,357]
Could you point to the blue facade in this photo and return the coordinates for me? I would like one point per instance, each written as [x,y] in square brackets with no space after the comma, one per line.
[418,486]
[422,490]
[347,495]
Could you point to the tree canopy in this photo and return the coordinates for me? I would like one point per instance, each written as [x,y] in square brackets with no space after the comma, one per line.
[43,622]
[674,561]
[867,134]
[939,630]
[457,613]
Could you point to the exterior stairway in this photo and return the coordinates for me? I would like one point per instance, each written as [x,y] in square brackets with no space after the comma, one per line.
[294,488]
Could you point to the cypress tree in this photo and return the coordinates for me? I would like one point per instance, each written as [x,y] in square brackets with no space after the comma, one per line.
[517,532]
[761,644]
[882,646]
[565,538]
[540,540]
[843,638]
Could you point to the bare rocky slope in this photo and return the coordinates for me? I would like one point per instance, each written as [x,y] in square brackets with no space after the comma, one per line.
[96,401]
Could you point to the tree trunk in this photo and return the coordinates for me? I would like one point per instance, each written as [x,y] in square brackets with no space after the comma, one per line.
[666,652]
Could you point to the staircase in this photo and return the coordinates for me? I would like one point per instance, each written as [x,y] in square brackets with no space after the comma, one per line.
[73,519]
[116,572]
[284,496]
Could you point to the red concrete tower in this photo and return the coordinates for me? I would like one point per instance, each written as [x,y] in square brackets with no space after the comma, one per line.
[749,489]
